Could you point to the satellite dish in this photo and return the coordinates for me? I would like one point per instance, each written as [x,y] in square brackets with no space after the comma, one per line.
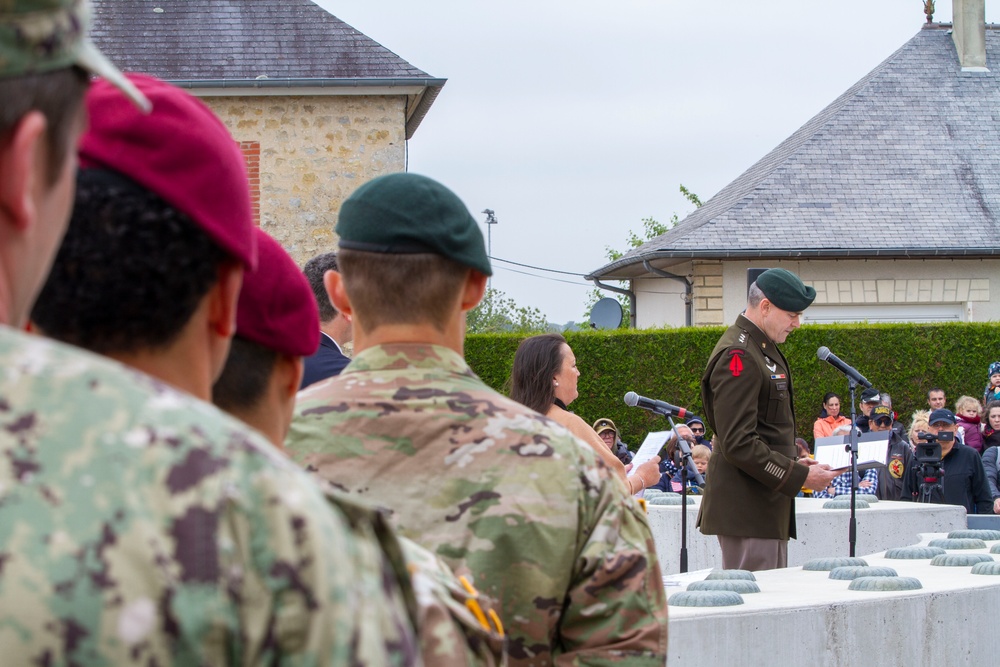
[606,314]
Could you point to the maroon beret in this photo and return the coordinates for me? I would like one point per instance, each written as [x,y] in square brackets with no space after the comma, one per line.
[181,151]
[277,308]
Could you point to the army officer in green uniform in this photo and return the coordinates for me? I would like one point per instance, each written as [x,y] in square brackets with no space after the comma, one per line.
[747,393]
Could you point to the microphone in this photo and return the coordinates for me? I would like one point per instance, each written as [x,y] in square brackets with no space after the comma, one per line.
[824,354]
[634,400]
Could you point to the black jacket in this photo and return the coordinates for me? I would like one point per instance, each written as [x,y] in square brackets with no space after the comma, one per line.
[964,481]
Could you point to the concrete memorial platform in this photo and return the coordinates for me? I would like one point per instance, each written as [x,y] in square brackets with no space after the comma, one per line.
[821,532]
[803,616]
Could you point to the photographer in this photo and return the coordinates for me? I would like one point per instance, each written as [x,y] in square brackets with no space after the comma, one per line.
[964,479]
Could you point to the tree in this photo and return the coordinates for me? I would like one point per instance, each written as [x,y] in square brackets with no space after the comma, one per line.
[650,230]
[498,313]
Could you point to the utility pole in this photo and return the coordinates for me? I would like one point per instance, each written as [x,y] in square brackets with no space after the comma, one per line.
[491,219]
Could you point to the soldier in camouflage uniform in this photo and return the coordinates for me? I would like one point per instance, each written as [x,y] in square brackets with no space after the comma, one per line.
[137,523]
[505,496]
[277,324]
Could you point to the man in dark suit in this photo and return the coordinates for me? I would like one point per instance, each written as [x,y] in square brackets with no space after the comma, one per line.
[335,327]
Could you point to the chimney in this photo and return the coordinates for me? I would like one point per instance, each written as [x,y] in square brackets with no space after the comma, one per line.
[969,33]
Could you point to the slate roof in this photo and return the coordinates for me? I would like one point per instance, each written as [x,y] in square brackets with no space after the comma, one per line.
[231,43]
[905,163]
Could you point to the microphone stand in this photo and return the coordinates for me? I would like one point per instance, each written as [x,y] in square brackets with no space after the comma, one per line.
[852,447]
[685,458]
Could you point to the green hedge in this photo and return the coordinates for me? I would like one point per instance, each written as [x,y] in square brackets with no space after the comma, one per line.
[903,359]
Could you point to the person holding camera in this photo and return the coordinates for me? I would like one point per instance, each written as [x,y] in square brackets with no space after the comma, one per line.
[963,476]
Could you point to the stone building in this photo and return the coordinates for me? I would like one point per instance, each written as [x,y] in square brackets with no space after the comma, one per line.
[887,202]
[318,107]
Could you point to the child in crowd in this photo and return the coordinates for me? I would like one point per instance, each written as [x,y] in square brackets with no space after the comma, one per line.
[700,454]
[992,392]
[967,415]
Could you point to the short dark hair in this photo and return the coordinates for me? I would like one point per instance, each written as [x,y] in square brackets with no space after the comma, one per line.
[245,377]
[315,269]
[57,95]
[131,270]
[397,288]
[537,360]
[932,390]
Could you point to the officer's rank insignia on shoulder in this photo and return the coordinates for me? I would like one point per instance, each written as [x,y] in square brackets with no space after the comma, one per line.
[896,467]
[736,362]
[743,338]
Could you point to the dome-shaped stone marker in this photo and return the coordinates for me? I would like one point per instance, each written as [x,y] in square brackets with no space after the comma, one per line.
[963,543]
[741,586]
[826,564]
[868,498]
[986,568]
[848,573]
[973,534]
[913,553]
[885,584]
[651,493]
[840,503]
[705,599]
[746,575]
[960,560]
[670,500]
[995,549]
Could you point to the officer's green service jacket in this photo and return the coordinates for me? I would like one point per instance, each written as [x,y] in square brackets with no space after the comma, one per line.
[752,475]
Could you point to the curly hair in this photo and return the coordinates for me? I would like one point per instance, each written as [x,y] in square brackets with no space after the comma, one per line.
[131,270]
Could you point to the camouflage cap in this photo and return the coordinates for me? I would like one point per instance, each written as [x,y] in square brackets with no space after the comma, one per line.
[38,36]
[408,213]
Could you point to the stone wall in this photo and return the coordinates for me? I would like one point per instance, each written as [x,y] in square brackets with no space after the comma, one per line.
[313,153]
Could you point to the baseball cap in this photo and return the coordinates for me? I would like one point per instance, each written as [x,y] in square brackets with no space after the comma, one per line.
[870,396]
[941,416]
[785,290]
[277,308]
[602,425]
[181,151]
[408,213]
[38,36]
[881,412]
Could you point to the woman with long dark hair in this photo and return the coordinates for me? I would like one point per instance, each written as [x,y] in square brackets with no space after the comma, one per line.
[544,378]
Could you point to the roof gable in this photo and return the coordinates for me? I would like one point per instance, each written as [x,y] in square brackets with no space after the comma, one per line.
[239,39]
[904,163]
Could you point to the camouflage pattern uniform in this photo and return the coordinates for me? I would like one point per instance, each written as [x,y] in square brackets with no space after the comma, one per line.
[502,494]
[139,525]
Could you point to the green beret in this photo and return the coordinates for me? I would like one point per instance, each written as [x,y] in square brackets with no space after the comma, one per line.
[785,290]
[408,213]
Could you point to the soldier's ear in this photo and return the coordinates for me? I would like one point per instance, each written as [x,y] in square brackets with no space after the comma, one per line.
[334,284]
[22,163]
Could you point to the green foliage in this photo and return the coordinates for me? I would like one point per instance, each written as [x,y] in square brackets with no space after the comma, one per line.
[498,313]
[903,359]
[650,230]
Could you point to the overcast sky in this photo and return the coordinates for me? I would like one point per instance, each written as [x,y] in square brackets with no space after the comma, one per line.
[573,120]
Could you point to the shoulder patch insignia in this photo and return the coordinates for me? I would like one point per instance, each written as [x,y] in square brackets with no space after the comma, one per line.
[896,467]
[736,362]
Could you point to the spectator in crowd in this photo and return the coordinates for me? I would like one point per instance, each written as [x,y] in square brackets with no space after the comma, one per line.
[544,378]
[841,485]
[830,422]
[504,495]
[335,327]
[992,391]
[935,398]
[869,399]
[697,427]
[964,481]
[991,466]
[898,455]
[991,426]
[700,455]
[204,525]
[609,434]
[804,453]
[919,425]
[897,426]
[670,464]
[277,324]
[967,415]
